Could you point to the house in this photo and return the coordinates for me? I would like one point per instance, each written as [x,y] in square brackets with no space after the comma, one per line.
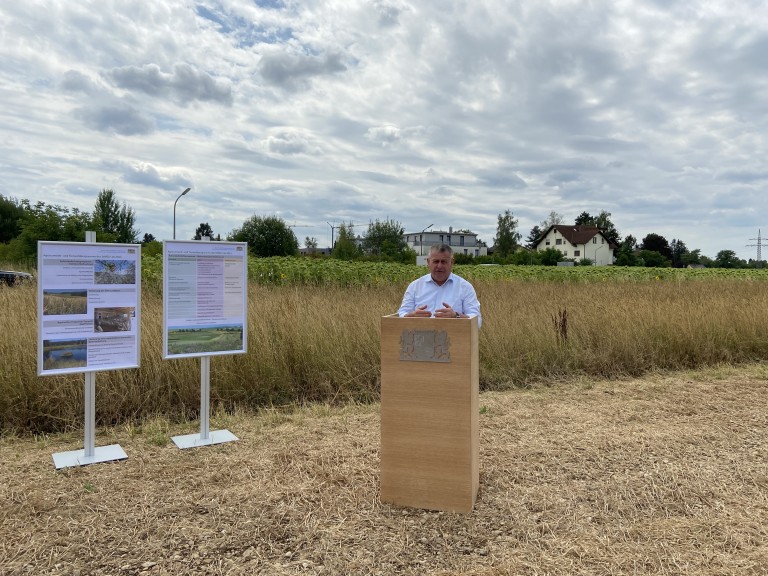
[461,242]
[578,242]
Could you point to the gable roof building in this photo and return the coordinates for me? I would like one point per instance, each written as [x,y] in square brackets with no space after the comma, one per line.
[578,242]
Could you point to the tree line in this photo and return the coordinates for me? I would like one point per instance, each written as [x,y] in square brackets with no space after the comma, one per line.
[23,224]
[654,250]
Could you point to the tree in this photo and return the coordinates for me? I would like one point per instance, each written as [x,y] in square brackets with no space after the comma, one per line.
[728,259]
[625,255]
[11,214]
[115,221]
[533,235]
[679,250]
[148,238]
[44,222]
[203,230]
[653,259]
[657,243]
[266,236]
[550,256]
[552,220]
[603,222]
[691,258]
[507,236]
[345,247]
[384,240]
[310,243]
[585,219]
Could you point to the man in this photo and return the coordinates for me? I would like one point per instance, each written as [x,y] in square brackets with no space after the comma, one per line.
[440,293]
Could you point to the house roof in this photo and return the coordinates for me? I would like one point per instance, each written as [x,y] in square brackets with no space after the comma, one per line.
[574,234]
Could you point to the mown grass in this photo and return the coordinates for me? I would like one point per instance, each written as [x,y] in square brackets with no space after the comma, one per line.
[309,342]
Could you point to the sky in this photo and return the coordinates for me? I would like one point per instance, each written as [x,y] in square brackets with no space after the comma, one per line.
[429,112]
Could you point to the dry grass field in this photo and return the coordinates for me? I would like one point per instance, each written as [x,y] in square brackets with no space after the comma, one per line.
[667,474]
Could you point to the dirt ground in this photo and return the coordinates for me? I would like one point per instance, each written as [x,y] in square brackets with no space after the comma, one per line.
[664,475]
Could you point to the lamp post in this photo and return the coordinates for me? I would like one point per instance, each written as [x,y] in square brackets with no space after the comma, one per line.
[596,251]
[421,240]
[174,211]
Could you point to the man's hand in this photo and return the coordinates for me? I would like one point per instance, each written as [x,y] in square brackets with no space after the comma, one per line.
[446,312]
[420,312]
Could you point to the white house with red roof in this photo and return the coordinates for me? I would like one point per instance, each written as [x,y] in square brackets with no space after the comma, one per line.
[578,242]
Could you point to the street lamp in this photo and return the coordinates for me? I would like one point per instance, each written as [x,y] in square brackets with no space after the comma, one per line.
[421,240]
[174,211]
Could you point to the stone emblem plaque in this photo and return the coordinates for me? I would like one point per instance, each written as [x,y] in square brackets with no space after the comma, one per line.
[425,346]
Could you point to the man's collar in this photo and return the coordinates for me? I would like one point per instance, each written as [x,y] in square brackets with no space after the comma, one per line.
[449,279]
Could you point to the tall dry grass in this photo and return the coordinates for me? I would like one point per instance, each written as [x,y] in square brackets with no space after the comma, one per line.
[321,343]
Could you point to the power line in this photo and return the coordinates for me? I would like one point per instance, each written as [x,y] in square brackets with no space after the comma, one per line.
[759,246]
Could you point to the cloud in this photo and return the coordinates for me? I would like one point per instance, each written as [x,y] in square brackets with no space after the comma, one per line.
[289,143]
[184,85]
[424,112]
[383,135]
[75,81]
[120,118]
[292,71]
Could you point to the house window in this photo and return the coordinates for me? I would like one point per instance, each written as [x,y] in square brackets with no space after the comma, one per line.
[441,239]
[461,241]
[565,253]
[477,252]
[559,241]
[547,242]
[602,240]
[594,240]
[449,240]
[577,252]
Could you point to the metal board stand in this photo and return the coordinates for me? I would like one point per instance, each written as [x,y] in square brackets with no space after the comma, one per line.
[205,437]
[90,454]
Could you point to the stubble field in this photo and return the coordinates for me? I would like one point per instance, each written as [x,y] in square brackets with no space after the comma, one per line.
[667,474]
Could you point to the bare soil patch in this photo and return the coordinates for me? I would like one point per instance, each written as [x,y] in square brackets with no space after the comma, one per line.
[663,475]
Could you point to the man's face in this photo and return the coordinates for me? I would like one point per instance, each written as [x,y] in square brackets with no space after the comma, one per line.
[440,265]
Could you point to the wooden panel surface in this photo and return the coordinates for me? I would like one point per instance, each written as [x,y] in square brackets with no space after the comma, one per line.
[429,419]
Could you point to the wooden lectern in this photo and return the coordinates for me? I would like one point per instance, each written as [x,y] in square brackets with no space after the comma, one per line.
[430,433]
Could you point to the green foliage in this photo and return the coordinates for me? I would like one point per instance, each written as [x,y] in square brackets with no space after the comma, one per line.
[507,237]
[152,248]
[204,230]
[657,243]
[653,259]
[384,241]
[345,247]
[550,256]
[602,221]
[728,259]
[266,236]
[114,222]
[11,214]
[50,223]
[533,236]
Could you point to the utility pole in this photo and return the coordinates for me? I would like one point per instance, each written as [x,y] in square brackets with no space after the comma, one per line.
[759,246]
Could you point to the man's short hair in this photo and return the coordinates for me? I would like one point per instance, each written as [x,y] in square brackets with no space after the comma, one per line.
[438,248]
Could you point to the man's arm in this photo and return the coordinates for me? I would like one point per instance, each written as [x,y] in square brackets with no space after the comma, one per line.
[470,303]
[409,300]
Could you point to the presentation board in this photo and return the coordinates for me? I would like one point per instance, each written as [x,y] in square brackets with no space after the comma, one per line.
[204,298]
[88,307]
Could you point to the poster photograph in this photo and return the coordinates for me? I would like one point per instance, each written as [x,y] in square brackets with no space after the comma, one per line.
[88,306]
[204,298]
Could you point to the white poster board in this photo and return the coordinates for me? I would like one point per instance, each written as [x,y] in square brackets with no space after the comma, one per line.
[204,298]
[88,306]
